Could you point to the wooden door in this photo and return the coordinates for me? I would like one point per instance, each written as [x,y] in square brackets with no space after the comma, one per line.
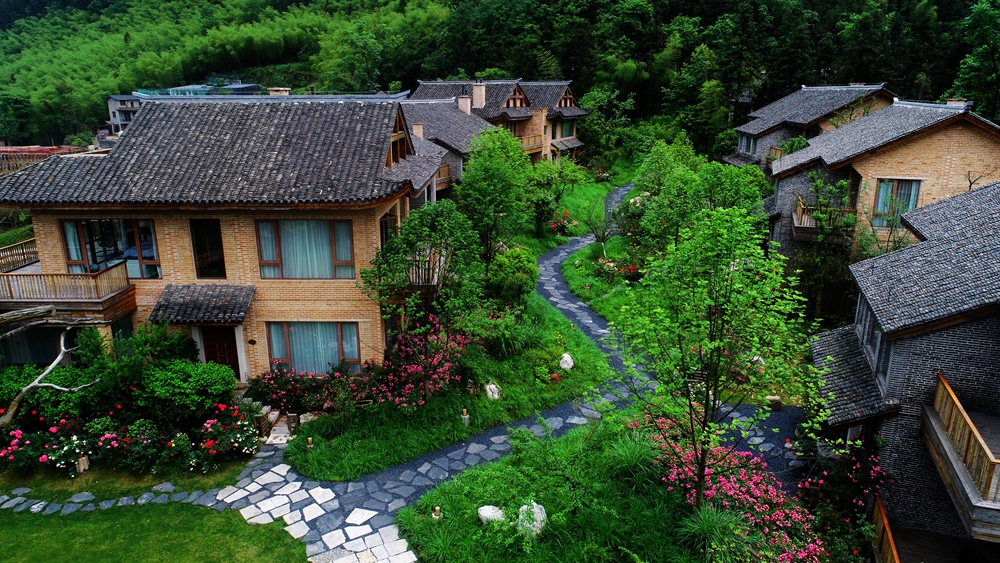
[220,346]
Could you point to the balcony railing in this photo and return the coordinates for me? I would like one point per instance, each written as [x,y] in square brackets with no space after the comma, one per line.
[969,443]
[774,154]
[885,546]
[64,287]
[443,177]
[427,269]
[529,142]
[18,255]
[804,226]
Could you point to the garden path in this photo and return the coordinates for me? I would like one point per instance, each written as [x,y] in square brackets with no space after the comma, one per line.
[354,522]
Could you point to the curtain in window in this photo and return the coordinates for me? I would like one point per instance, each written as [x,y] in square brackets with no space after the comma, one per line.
[906,194]
[883,200]
[276,336]
[73,247]
[345,253]
[268,250]
[305,249]
[349,333]
[567,128]
[313,346]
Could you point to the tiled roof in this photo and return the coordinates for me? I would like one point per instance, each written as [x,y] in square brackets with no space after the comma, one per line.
[566,144]
[956,270]
[497,93]
[548,95]
[267,151]
[872,131]
[444,123]
[806,106]
[849,378]
[205,304]
[740,159]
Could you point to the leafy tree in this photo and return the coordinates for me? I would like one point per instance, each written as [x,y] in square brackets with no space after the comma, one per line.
[979,74]
[602,129]
[492,189]
[793,144]
[358,59]
[713,325]
[15,119]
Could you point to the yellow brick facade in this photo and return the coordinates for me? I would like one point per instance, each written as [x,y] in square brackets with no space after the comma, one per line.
[945,160]
[275,300]
[880,101]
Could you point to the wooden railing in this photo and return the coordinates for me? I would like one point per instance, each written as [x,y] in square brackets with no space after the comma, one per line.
[968,442]
[885,547]
[64,287]
[427,269]
[804,213]
[18,255]
[531,141]
[775,153]
[443,177]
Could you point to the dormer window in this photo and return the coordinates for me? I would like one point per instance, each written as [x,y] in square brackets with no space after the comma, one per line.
[567,100]
[748,144]
[399,145]
[877,348]
[516,100]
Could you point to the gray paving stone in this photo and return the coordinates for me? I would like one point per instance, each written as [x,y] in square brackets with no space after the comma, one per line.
[407,476]
[421,481]
[489,455]
[146,497]
[259,496]
[437,473]
[328,522]
[81,497]
[389,485]
[241,503]
[457,466]
[340,489]
[372,486]
[555,422]
[13,502]
[20,491]
[273,487]
[26,505]
[471,460]
[474,449]
[404,491]
[424,468]
[126,501]
[441,462]
[310,484]
[396,505]
[381,520]
[254,463]
[500,447]
[243,483]
[374,505]
[70,507]
[54,507]
[331,505]
[576,420]
[315,548]
[38,507]
[165,487]
[351,487]
[765,447]
[162,499]
[312,536]
[457,454]
[245,473]
[89,508]
[106,504]
[538,430]
[382,496]
[263,454]
[178,497]
[3,499]
[207,499]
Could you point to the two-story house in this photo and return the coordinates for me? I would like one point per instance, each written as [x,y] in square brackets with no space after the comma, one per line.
[244,222]
[121,111]
[541,114]
[921,365]
[808,112]
[905,156]
[451,128]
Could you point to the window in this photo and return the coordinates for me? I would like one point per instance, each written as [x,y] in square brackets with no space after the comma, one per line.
[748,144]
[556,125]
[206,239]
[93,245]
[894,197]
[878,349]
[314,347]
[567,128]
[511,127]
[114,114]
[305,249]
[387,226]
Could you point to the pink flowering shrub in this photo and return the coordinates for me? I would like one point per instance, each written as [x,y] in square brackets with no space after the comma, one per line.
[424,363]
[290,390]
[780,529]
[228,433]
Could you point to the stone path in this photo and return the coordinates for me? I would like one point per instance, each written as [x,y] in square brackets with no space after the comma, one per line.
[354,522]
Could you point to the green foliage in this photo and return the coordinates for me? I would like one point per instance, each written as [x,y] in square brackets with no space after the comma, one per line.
[512,277]
[16,235]
[608,119]
[788,146]
[979,75]
[718,535]
[181,388]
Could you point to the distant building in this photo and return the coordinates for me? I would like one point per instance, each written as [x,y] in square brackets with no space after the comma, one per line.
[121,111]
[442,123]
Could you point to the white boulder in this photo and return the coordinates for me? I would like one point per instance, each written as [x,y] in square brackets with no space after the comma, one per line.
[493,391]
[566,361]
[490,513]
[531,520]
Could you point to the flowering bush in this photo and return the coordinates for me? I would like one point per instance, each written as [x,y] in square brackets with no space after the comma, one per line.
[560,224]
[228,432]
[423,363]
[606,270]
[738,481]
[289,390]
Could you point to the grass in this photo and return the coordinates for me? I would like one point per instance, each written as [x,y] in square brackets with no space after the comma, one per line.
[383,436]
[599,492]
[579,270]
[53,485]
[168,533]
[16,235]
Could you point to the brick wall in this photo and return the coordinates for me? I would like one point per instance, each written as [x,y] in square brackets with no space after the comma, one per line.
[969,357]
[274,300]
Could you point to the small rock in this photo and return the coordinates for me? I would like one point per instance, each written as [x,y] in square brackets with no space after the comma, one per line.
[566,361]
[70,508]
[35,509]
[166,487]
[20,491]
[106,504]
[126,501]
[89,508]
[531,520]
[146,497]
[81,497]
[162,499]
[490,513]
[774,402]
[493,391]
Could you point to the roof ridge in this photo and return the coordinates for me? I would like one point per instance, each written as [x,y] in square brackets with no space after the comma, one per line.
[845,86]
[965,107]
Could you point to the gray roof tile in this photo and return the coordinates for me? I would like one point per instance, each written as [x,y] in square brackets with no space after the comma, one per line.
[547,95]
[956,270]
[806,106]
[444,123]
[208,304]
[849,378]
[538,94]
[566,144]
[243,152]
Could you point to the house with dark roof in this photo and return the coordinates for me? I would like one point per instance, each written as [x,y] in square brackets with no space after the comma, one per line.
[921,366]
[452,130]
[541,114]
[903,157]
[121,111]
[807,112]
[243,221]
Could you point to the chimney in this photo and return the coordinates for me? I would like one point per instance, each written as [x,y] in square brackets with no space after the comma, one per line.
[465,104]
[478,94]
[418,130]
[956,102]
[278,91]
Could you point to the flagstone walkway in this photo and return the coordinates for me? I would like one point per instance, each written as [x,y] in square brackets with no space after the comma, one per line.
[354,522]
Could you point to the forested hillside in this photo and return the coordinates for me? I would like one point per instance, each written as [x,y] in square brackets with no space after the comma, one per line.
[684,59]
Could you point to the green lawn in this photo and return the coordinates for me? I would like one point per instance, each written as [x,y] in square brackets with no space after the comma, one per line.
[55,485]
[600,494]
[382,437]
[169,533]
[581,277]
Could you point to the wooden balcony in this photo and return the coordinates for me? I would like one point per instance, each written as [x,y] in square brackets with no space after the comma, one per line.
[882,543]
[962,445]
[18,255]
[773,154]
[531,142]
[804,228]
[443,177]
[104,296]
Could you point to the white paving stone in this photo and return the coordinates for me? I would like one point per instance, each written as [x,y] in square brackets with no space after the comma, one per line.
[312,512]
[293,517]
[389,533]
[280,511]
[297,529]
[288,489]
[380,553]
[281,469]
[373,540]
[366,557]
[405,557]
[268,478]
[254,487]
[360,516]
[225,493]
[298,495]
[321,495]
[358,531]
[236,496]
[271,503]
[334,539]
[249,512]
[356,546]
[352,558]
[395,547]
[261,519]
